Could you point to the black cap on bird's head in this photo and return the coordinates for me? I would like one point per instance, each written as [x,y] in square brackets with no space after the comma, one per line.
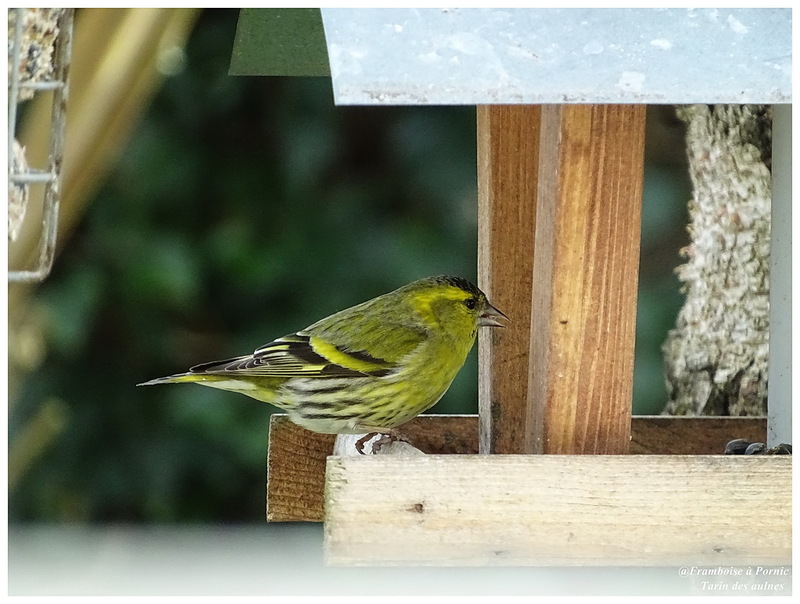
[460,283]
[489,315]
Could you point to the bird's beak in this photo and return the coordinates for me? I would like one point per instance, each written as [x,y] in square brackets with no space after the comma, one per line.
[491,317]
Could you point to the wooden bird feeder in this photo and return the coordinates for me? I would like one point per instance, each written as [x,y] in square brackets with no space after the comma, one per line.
[554,470]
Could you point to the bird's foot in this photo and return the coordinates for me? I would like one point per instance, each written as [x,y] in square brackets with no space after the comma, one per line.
[363,441]
[386,438]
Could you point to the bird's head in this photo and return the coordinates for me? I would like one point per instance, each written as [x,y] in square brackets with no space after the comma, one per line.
[454,304]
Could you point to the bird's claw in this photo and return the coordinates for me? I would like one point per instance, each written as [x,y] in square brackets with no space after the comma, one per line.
[384,440]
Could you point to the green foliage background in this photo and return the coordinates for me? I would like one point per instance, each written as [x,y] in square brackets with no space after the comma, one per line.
[244,208]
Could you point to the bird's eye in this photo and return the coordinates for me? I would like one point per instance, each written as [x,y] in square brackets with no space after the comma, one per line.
[471,303]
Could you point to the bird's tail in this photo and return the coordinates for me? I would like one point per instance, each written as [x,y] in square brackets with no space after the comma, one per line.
[264,390]
[180,378]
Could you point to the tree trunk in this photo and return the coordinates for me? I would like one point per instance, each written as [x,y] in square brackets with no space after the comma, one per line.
[716,357]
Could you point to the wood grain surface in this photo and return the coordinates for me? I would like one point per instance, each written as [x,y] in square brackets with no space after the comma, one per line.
[297,457]
[508,163]
[585,278]
[559,510]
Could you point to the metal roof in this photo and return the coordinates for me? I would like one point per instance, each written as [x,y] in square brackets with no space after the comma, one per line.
[477,56]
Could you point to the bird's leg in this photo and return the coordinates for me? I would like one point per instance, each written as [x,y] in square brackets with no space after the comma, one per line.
[386,438]
[363,441]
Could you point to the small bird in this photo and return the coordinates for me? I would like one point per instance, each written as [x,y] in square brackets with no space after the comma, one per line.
[365,369]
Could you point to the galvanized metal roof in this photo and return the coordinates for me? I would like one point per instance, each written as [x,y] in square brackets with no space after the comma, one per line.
[476,56]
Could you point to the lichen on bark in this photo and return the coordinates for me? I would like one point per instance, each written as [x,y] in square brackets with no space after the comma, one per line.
[716,357]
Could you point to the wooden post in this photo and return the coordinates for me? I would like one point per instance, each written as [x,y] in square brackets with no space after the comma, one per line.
[508,161]
[779,407]
[585,278]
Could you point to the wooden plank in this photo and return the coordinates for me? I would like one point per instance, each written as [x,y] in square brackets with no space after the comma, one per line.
[296,457]
[585,278]
[559,510]
[296,460]
[670,435]
[508,162]
[295,466]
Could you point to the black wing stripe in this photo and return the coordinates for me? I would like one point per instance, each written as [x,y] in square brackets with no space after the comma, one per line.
[288,353]
[304,352]
[300,347]
[360,355]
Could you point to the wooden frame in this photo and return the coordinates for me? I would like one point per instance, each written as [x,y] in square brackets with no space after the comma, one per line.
[297,458]
[453,507]
[559,212]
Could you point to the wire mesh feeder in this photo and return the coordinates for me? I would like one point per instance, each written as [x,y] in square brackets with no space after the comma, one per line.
[40,48]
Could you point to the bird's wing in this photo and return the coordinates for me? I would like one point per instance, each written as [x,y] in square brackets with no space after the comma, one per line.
[382,332]
[369,339]
[301,355]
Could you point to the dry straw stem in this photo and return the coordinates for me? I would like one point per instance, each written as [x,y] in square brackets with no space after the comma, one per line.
[113,77]
[114,74]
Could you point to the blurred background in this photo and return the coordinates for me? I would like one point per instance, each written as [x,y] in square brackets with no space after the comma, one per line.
[211,213]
